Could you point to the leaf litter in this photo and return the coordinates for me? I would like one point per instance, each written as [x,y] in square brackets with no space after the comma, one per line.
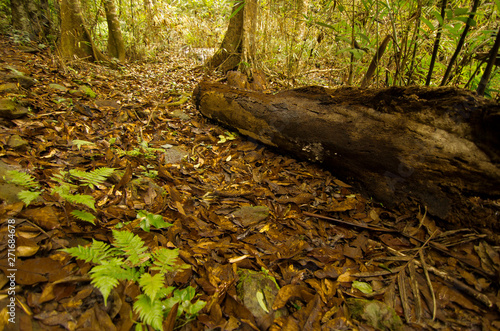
[272,243]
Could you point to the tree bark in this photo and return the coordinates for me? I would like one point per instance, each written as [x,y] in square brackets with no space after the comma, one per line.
[116,47]
[238,45]
[31,18]
[437,146]
[76,41]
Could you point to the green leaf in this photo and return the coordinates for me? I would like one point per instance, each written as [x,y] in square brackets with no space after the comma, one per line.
[362,286]
[28,196]
[80,143]
[428,23]
[325,25]
[194,308]
[438,17]
[84,216]
[186,294]
[149,219]
[237,10]
[150,312]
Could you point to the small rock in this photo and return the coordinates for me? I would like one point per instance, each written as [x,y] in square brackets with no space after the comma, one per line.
[16,142]
[25,81]
[21,78]
[58,87]
[11,110]
[8,87]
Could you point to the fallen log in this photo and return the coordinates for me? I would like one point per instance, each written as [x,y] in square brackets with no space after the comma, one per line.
[436,146]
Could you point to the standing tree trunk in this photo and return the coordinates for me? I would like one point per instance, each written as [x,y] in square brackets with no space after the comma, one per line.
[460,43]
[300,23]
[436,44]
[116,47]
[238,46]
[75,37]
[31,18]
[491,61]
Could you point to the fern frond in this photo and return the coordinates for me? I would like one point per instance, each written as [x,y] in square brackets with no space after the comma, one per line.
[92,178]
[152,285]
[61,178]
[28,196]
[84,199]
[105,284]
[22,179]
[150,312]
[132,245]
[84,216]
[164,259]
[95,253]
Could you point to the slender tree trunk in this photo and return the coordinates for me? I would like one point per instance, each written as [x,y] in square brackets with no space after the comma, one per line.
[415,42]
[491,61]
[460,43]
[436,44]
[238,46]
[116,47]
[375,61]
[300,23]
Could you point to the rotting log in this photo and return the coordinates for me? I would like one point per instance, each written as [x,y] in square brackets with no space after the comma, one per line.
[439,147]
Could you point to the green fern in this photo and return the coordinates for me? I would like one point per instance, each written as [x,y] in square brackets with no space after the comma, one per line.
[127,258]
[152,285]
[164,260]
[93,178]
[28,196]
[84,216]
[150,311]
[22,179]
[132,246]
[64,192]
[98,251]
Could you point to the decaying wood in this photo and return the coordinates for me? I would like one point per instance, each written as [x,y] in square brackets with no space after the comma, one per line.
[439,147]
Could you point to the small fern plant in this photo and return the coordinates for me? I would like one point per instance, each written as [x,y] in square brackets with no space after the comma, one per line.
[65,188]
[128,259]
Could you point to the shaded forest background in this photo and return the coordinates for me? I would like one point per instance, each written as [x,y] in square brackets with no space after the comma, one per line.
[301,42]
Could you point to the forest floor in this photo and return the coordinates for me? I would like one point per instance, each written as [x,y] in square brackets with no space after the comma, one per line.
[243,216]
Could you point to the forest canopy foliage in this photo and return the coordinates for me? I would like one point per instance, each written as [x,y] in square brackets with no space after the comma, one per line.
[306,42]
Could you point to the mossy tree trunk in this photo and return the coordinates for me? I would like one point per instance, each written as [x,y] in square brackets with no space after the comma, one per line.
[32,18]
[76,41]
[116,47]
[238,47]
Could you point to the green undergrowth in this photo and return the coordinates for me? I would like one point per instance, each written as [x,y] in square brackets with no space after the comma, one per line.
[65,185]
[129,259]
